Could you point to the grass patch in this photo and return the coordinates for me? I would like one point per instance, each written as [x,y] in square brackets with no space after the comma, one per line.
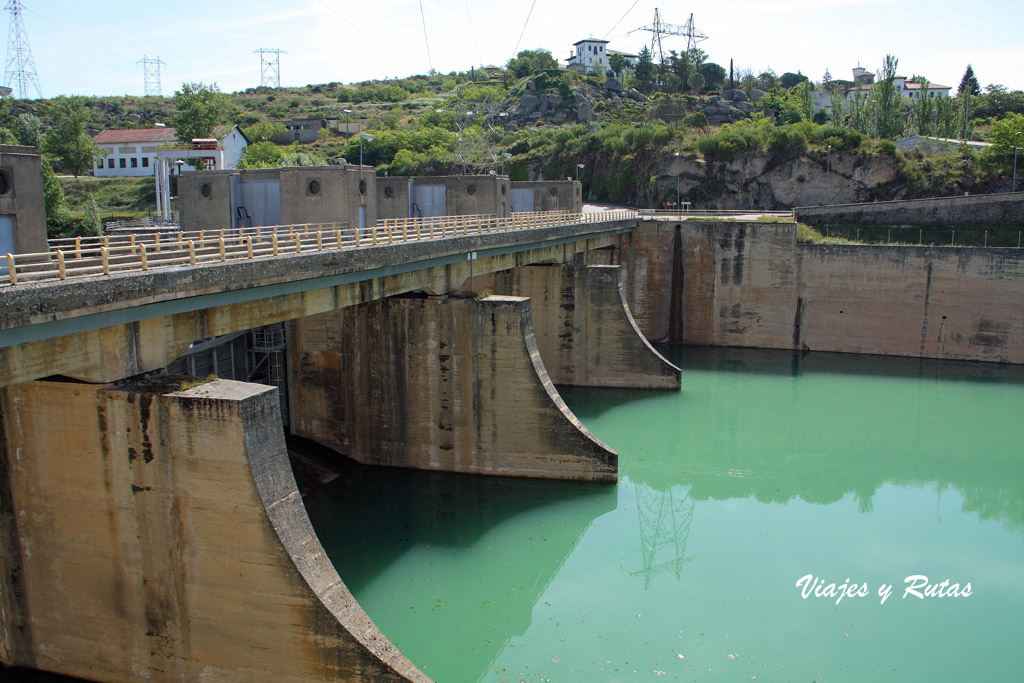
[117,198]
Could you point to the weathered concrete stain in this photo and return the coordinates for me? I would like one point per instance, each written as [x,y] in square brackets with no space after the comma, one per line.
[398,386]
[199,564]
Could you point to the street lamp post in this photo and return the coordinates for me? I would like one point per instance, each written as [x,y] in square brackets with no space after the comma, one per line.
[1015,136]
[348,123]
[828,168]
[578,167]
[677,181]
[368,138]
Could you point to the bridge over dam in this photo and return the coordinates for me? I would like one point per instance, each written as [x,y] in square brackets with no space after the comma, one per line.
[150,524]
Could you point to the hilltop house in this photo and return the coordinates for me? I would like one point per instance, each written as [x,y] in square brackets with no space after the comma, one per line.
[132,152]
[910,90]
[591,55]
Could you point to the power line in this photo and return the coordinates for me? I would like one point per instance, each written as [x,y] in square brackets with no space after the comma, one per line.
[270,66]
[621,18]
[21,68]
[430,61]
[151,72]
[389,48]
[523,32]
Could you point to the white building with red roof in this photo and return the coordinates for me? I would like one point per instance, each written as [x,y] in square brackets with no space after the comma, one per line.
[910,90]
[133,151]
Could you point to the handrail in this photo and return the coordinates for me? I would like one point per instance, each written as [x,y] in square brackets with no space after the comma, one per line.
[74,257]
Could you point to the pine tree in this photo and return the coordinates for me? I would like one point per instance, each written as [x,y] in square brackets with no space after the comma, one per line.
[969,83]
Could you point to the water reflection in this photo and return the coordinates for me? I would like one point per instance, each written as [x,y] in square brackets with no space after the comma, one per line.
[777,441]
[417,529]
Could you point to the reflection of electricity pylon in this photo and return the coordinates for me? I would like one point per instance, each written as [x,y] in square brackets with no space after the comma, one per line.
[474,123]
[659,28]
[665,519]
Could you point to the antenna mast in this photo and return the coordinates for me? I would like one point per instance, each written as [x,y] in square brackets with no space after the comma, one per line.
[151,69]
[270,66]
[21,69]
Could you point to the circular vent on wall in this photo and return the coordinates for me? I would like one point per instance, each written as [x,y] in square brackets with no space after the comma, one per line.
[314,187]
[5,182]
[389,192]
[206,190]
[554,191]
[362,187]
[471,189]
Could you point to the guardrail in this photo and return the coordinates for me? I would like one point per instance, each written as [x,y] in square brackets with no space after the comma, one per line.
[103,256]
[713,212]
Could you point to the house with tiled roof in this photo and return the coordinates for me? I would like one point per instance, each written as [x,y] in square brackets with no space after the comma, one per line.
[132,152]
[910,90]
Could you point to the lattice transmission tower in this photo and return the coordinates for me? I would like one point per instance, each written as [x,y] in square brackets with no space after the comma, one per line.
[270,66]
[21,68]
[151,70]
[660,29]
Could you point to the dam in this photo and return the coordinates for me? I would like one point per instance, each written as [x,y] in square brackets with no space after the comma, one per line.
[151,522]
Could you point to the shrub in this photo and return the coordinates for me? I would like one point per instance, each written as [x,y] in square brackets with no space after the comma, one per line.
[788,141]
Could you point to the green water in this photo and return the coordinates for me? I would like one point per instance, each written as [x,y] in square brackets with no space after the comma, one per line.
[765,468]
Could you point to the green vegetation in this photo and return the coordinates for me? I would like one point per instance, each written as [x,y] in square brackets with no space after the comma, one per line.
[429,124]
[67,140]
[200,109]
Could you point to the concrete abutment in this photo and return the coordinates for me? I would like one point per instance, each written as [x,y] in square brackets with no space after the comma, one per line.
[150,531]
[450,384]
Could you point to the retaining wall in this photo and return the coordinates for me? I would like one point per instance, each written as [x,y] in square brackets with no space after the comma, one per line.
[1003,209]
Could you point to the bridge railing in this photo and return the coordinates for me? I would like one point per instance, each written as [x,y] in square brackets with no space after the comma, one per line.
[109,254]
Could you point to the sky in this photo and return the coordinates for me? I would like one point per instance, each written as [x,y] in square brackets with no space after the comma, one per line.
[87,47]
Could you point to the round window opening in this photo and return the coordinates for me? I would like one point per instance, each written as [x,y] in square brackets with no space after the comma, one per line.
[503,189]
[206,190]
[5,182]
[471,189]
[362,187]
[314,187]
[389,192]
[554,191]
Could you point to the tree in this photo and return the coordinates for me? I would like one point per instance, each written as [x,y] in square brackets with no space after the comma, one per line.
[201,108]
[789,79]
[644,71]
[531,61]
[713,74]
[969,83]
[1004,133]
[618,63]
[56,206]
[826,80]
[261,155]
[888,102]
[67,140]
[266,130]
[29,129]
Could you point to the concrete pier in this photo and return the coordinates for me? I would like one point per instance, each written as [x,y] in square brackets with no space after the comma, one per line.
[152,532]
[585,332]
[439,384]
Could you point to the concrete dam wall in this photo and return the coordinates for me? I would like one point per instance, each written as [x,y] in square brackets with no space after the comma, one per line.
[752,285]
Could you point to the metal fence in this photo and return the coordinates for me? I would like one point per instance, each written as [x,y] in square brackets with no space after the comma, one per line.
[103,256]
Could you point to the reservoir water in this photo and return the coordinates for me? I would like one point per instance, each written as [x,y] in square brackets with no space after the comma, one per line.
[767,467]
